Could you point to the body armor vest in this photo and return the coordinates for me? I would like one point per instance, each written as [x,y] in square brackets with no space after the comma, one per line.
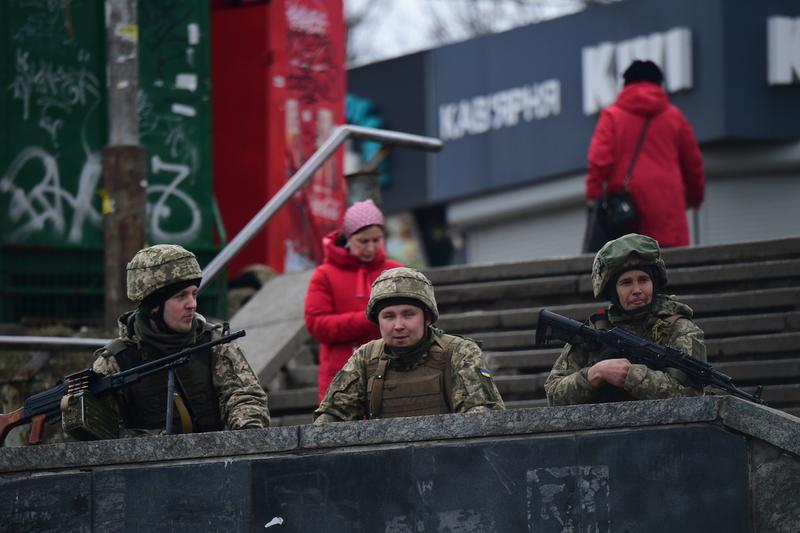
[145,403]
[424,390]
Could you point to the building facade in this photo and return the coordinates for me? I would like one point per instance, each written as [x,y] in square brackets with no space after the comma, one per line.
[516,112]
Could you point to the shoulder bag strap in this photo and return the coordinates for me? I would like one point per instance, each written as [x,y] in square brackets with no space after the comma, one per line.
[639,143]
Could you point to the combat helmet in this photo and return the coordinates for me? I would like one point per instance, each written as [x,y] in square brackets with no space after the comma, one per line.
[401,283]
[160,266]
[629,252]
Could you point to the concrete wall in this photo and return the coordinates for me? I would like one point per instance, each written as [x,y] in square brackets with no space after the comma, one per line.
[700,464]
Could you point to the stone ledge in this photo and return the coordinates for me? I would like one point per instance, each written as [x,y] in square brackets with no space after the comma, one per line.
[147,449]
[537,420]
[769,425]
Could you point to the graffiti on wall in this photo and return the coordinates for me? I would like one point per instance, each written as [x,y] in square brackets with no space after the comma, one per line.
[51,172]
[49,98]
[174,104]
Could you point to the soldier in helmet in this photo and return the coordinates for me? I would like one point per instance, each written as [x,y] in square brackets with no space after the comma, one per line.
[222,391]
[414,368]
[630,273]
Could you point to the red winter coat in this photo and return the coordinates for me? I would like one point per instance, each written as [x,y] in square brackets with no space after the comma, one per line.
[668,175]
[336,305]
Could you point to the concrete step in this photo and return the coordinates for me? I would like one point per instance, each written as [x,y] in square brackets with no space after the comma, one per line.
[718,348]
[293,400]
[681,280]
[761,371]
[301,375]
[756,251]
[292,420]
[737,325]
[541,359]
[786,299]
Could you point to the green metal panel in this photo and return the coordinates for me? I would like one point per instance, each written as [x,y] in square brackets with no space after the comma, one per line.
[175,120]
[53,122]
[53,127]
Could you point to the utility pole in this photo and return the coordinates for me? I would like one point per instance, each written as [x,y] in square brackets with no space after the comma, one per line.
[124,159]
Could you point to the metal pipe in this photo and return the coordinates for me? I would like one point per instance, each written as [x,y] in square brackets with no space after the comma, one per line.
[337,137]
[7,341]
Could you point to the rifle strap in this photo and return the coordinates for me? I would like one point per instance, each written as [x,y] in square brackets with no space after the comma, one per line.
[183,413]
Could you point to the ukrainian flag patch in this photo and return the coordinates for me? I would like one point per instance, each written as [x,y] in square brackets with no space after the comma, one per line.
[485,372]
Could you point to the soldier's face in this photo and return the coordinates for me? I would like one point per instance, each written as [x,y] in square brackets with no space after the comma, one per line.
[401,325]
[179,310]
[634,289]
[366,243]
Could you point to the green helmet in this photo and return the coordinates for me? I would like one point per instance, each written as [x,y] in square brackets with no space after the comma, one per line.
[405,283]
[629,252]
[160,266]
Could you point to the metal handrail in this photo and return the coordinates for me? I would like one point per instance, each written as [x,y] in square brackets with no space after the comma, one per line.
[61,342]
[335,140]
[338,136]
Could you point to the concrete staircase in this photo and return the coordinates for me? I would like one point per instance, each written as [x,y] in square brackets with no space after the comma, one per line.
[746,298]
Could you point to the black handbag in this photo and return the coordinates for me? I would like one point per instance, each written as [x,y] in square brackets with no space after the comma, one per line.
[618,210]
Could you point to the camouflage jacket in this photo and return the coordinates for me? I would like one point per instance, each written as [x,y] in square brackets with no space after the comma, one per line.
[242,401]
[472,387]
[568,381]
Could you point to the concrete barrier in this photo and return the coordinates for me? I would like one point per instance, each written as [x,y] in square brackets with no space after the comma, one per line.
[690,464]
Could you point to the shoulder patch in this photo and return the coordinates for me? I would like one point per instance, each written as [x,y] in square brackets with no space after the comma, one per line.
[485,372]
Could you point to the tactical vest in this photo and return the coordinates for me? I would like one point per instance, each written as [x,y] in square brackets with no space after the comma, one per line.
[424,390]
[145,403]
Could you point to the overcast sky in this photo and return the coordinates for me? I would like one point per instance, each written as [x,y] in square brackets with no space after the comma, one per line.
[396,27]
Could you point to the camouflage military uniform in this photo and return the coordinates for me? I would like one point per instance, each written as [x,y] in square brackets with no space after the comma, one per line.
[568,382]
[242,401]
[666,321]
[472,387]
[454,367]
[154,275]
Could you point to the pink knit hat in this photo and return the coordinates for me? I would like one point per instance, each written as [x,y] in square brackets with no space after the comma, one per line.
[360,215]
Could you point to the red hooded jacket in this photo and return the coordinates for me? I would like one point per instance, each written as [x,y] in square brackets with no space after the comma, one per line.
[668,175]
[336,304]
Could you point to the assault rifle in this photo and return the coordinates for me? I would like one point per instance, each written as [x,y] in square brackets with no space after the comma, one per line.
[638,350]
[48,404]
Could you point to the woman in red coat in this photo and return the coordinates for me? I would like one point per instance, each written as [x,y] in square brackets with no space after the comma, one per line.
[668,173]
[339,289]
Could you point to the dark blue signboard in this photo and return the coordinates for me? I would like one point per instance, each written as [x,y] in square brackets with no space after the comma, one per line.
[519,107]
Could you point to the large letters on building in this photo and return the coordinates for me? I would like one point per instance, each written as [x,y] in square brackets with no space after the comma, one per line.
[783,50]
[604,64]
[502,109]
